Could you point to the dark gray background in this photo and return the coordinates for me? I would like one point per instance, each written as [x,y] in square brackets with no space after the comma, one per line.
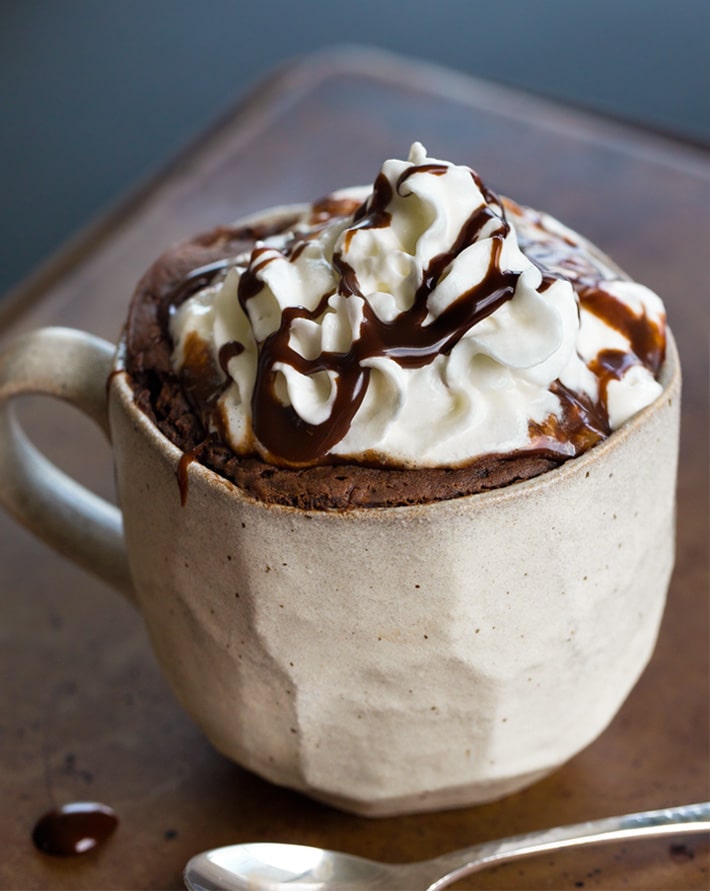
[96,94]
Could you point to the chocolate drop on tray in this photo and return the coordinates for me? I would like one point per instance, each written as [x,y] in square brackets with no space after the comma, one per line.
[74,828]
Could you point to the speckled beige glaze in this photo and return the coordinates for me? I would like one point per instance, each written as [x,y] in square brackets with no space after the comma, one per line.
[388,660]
[405,659]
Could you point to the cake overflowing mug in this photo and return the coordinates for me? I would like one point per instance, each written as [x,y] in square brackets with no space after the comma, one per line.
[396,485]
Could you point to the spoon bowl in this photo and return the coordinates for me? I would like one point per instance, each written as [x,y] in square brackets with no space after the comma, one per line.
[267,866]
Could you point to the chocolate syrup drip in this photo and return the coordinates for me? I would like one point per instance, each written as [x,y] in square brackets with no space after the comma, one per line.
[610,365]
[434,169]
[249,283]
[74,828]
[547,281]
[377,201]
[647,340]
[285,435]
[372,214]
[186,459]
[585,422]
[194,281]
[228,351]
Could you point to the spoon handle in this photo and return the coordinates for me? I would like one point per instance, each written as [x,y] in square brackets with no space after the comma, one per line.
[667,821]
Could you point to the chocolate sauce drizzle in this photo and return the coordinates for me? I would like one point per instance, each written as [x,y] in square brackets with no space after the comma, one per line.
[194,281]
[287,438]
[289,441]
[647,340]
[186,459]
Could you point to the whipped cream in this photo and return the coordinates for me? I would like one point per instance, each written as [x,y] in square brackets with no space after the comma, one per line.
[421,322]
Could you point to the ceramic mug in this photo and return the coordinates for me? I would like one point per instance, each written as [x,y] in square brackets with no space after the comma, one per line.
[383,660]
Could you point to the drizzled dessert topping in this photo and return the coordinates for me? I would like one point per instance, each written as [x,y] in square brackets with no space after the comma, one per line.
[421,323]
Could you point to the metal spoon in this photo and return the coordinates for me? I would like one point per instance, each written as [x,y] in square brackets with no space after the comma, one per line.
[263,866]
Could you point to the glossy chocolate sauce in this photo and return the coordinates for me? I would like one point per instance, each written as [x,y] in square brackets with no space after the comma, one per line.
[73,829]
[186,459]
[585,422]
[288,439]
[194,281]
[648,342]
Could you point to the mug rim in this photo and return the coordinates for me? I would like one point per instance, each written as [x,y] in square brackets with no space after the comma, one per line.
[669,377]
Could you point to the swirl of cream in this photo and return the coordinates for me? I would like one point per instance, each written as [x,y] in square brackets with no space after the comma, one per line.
[413,332]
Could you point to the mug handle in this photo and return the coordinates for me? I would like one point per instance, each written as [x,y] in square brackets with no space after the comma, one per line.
[72,366]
